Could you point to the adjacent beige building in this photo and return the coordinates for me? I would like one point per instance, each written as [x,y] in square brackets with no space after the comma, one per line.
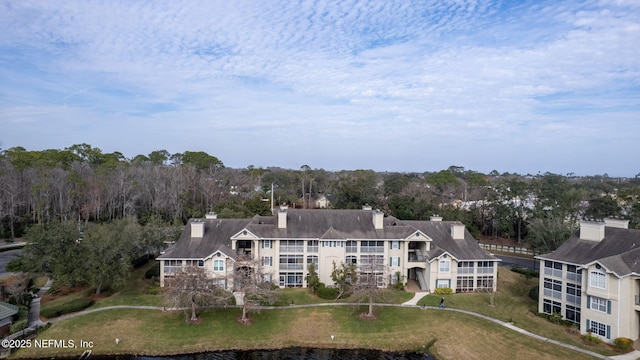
[434,253]
[593,280]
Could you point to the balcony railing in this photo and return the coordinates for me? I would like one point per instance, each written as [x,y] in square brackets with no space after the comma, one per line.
[291,266]
[413,257]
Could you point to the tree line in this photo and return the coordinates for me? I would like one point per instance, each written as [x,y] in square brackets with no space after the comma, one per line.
[82,184]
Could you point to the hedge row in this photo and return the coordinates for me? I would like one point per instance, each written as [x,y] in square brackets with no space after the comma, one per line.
[66,308]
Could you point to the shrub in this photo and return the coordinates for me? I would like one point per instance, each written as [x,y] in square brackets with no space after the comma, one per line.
[534,292]
[153,271]
[137,262]
[443,291]
[592,339]
[327,293]
[19,325]
[526,272]
[66,308]
[624,344]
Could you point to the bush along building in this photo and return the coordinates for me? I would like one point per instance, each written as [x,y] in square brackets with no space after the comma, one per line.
[593,280]
[435,253]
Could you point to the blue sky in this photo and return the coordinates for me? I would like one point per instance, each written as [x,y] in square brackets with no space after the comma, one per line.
[515,86]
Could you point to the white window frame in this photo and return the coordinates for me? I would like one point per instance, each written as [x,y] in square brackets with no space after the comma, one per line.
[394,261]
[218,268]
[445,266]
[598,279]
[267,261]
[598,328]
[598,304]
[443,283]
[395,245]
[267,244]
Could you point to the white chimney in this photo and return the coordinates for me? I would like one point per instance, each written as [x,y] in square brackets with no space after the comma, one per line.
[378,218]
[457,231]
[197,228]
[616,223]
[366,207]
[211,215]
[436,218]
[282,217]
[593,231]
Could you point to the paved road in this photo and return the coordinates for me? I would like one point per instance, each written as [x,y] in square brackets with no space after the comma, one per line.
[511,261]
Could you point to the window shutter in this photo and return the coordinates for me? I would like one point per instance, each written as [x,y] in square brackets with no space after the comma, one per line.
[588,325]
[588,305]
[608,306]
[608,332]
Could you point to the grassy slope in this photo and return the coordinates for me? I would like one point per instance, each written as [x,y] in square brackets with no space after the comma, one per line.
[458,335]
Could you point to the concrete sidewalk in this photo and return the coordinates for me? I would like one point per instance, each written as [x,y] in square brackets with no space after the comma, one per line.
[416,297]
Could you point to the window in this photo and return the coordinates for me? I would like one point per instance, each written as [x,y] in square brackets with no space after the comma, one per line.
[394,245]
[291,279]
[484,282]
[267,244]
[351,259]
[267,261]
[291,262]
[574,273]
[267,278]
[312,246]
[574,293]
[465,267]
[352,246]
[573,314]
[171,266]
[372,262]
[312,259]
[485,267]
[553,288]
[551,307]
[291,246]
[218,265]
[598,328]
[443,283]
[221,283]
[371,246]
[598,280]
[394,261]
[553,268]
[598,304]
[464,283]
[445,265]
[332,243]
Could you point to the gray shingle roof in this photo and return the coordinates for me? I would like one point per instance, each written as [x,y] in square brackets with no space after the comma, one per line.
[323,224]
[217,236]
[440,232]
[619,251]
[7,310]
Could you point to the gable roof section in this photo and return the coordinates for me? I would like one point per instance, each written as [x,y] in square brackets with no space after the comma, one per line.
[440,232]
[619,251]
[217,236]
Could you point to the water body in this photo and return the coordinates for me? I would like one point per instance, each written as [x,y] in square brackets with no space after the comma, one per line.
[286,354]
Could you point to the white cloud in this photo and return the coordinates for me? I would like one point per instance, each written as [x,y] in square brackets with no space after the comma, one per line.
[352,74]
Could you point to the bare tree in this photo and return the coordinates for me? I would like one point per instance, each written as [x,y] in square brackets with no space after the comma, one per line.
[249,281]
[370,283]
[191,288]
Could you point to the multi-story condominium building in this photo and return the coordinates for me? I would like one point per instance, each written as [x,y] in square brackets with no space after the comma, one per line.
[434,253]
[593,280]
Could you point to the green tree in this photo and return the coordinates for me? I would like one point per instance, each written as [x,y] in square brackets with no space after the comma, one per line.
[201,160]
[313,281]
[353,190]
[343,276]
[443,181]
[601,207]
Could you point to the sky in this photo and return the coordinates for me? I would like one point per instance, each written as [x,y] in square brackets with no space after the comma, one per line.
[391,85]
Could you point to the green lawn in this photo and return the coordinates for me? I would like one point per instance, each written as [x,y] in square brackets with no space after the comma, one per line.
[458,335]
